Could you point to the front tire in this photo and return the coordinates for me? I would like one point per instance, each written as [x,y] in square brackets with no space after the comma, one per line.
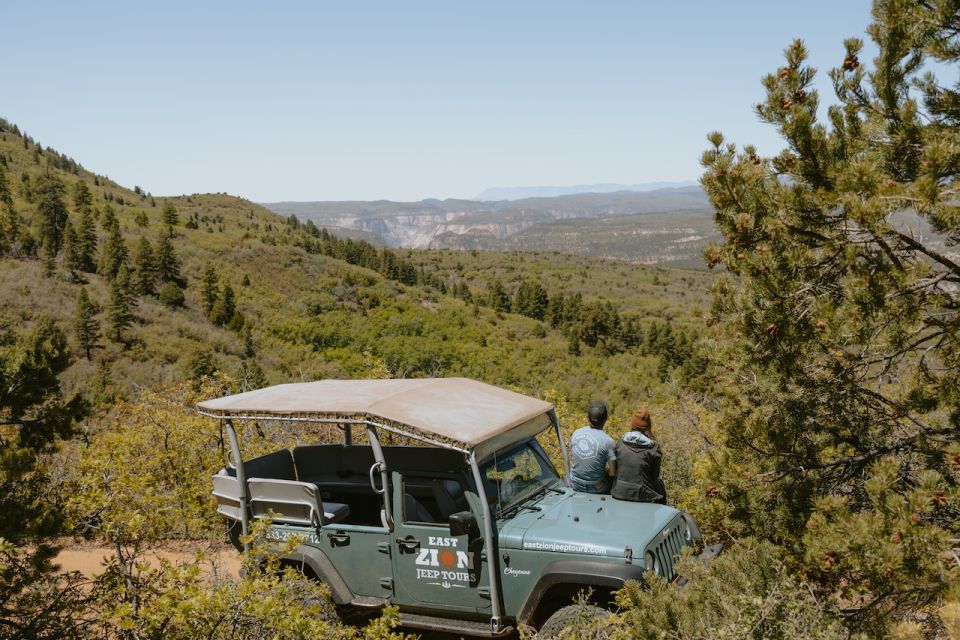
[580,617]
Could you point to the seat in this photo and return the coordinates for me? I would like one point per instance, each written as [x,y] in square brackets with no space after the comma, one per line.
[292,502]
[278,465]
[413,511]
[226,489]
[317,463]
[449,496]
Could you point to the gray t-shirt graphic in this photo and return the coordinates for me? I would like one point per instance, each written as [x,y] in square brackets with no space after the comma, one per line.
[592,449]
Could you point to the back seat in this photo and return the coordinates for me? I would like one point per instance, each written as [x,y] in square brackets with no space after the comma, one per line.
[278,465]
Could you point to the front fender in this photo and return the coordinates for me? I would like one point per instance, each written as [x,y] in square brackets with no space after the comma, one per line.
[588,573]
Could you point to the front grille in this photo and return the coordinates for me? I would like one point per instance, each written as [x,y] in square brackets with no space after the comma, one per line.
[666,548]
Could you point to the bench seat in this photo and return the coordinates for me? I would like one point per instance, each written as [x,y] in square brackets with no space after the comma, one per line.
[292,502]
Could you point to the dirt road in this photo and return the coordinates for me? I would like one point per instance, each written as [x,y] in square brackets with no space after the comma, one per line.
[89,559]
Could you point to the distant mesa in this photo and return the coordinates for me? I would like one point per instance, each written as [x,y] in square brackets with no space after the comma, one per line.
[627,222]
[517,193]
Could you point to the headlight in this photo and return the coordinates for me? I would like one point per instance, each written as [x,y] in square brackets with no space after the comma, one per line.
[652,563]
[693,530]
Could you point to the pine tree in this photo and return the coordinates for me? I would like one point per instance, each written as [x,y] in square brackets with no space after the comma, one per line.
[225,307]
[35,416]
[573,342]
[51,213]
[9,222]
[209,289]
[168,267]
[72,250]
[170,217]
[87,241]
[113,254]
[248,349]
[498,296]
[839,356]
[122,302]
[108,218]
[531,300]
[85,322]
[145,269]
[82,198]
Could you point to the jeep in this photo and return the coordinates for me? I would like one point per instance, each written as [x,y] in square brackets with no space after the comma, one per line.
[471,529]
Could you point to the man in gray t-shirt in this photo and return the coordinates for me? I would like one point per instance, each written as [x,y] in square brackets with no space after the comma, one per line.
[594,453]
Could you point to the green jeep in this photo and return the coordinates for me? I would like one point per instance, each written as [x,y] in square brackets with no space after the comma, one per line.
[471,531]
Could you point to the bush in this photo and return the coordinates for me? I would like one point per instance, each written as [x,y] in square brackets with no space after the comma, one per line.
[745,593]
[172,296]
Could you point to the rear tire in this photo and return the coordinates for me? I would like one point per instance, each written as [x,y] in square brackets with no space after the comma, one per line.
[574,614]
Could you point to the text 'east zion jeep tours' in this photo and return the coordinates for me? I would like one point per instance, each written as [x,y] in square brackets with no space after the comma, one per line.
[471,530]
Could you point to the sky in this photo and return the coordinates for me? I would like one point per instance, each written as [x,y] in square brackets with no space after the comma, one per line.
[400,100]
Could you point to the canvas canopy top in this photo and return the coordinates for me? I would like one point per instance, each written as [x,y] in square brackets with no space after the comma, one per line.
[473,415]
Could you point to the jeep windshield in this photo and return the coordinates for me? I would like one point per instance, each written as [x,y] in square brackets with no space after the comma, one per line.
[513,476]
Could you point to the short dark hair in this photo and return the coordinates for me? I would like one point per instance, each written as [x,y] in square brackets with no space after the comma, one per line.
[597,413]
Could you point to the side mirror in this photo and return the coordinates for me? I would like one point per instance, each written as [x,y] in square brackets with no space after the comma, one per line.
[464,523]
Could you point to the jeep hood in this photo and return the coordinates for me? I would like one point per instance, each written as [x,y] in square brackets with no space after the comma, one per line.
[586,524]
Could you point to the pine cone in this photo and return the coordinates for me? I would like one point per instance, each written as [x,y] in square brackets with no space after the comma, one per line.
[784,73]
[850,62]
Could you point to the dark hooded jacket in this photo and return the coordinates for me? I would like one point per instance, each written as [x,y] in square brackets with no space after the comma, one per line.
[638,470]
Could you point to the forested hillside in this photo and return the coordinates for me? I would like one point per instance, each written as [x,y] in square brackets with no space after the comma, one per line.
[808,408]
[268,299]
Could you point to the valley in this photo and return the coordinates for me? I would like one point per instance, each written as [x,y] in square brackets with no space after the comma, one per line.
[668,226]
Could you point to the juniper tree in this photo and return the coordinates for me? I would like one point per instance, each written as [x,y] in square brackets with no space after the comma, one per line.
[85,323]
[840,345]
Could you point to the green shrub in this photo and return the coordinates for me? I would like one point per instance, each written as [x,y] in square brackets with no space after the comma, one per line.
[172,295]
[745,593]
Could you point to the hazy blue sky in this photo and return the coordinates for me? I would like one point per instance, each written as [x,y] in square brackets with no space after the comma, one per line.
[399,100]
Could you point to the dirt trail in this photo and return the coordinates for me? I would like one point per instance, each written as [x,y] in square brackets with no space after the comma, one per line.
[89,559]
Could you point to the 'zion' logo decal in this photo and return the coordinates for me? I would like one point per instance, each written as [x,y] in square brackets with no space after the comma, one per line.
[453,566]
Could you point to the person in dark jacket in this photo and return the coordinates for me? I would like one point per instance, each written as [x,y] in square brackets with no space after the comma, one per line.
[638,463]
